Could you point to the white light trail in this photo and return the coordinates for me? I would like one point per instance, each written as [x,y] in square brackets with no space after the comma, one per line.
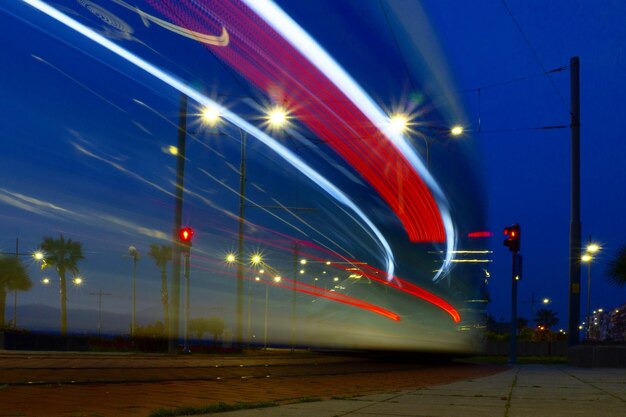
[168,79]
[308,47]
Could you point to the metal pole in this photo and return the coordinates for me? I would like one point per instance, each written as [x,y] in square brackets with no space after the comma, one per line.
[178,214]
[134,323]
[513,349]
[293,296]
[240,255]
[100,294]
[575,225]
[267,289]
[249,308]
[186,330]
[589,296]
[17,246]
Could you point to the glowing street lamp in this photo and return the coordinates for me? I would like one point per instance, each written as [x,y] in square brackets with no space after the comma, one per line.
[210,116]
[230,258]
[276,279]
[277,117]
[592,249]
[456,130]
[78,281]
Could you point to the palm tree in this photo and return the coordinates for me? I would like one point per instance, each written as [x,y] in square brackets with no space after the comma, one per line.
[13,277]
[162,254]
[546,318]
[617,268]
[64,256]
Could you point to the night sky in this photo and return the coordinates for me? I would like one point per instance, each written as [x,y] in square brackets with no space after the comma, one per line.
[86,136]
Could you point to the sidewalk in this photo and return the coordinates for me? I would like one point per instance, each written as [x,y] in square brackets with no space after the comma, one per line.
[527,390]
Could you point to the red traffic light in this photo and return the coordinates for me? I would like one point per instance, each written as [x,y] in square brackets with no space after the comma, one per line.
[185,234]
[513,239]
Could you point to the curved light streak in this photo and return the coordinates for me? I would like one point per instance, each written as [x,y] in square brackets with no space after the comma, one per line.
[308,47]
[222,40]
[285,153]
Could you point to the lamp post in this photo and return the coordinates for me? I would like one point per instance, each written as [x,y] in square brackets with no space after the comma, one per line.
[592,249]
[132,251]
[277,279]
[400,123]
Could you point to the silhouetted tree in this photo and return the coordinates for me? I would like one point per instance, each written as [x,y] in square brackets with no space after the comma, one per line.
[64,256]
[162,254]
[546,318]
[13,277]
[617,268]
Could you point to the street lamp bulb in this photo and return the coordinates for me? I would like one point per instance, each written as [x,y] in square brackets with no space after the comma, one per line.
[593,248]
[132,251]
[172,150]
[257,278]
[256,259]
[277,117]
[586,258]
[38,255]
[546,301]
[261,271]
[336,279]
[398,123]
[77,281]
[456,130]
[46,281]
[210,116]
[302,271]
[303,261]
[230,258]
[277,279]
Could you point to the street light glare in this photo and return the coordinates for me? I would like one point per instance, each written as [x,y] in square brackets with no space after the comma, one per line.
[398,123]
[77,281]
[586,258]
[46,281]
[172,150]
[303,261]
[256,259]
[230,258]
[456,130]
[277,117]
[277,279]
[546,301]
[210,116]
[593,248]
[38,255]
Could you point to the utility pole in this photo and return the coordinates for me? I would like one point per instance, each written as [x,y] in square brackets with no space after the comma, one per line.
[575,226]
[178,215]
[240,241]
[17,253]
[293,295]
[100,294]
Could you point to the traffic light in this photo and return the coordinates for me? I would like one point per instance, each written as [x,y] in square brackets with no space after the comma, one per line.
[185,234]
[514,235]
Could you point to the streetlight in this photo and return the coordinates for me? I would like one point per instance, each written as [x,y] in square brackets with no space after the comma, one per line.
[277,279]
[132,251]
[592,249]
[256,259]
[77,281]
[400,123]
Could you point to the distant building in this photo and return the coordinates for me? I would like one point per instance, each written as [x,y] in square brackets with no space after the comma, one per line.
[608,325]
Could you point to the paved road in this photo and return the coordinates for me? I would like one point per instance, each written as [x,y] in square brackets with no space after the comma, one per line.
[522,391]
[102,385]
